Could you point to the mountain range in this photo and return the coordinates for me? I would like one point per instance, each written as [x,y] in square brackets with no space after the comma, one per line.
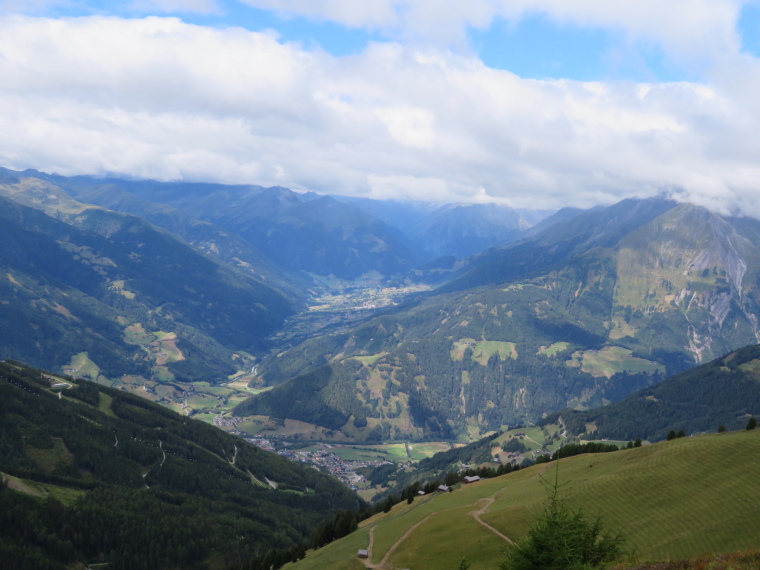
[192,282]
[355,321]
[246,259]
[584,313]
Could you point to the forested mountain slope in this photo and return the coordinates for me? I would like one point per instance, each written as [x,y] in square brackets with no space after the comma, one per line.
[724,392]
[205,236]
[595,312]
[98,475]
[80,279]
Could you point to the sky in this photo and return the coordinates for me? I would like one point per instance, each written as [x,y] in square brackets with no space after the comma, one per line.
[531,103]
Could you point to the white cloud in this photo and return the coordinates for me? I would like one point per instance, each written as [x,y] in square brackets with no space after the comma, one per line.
[159,98]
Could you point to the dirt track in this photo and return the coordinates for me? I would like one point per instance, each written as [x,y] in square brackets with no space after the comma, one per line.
[476,514]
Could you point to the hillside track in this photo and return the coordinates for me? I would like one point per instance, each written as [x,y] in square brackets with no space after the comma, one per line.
[476,515]
[391,550]
[672,500]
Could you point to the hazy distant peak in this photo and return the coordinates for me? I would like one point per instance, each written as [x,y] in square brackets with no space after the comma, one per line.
[42,195]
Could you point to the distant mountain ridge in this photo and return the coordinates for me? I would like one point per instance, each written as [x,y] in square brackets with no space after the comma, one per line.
[456,229]
[466,229]
[298,232]
[386,236]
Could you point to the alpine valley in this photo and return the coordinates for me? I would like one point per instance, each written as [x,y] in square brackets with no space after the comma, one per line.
[323,325]
[152,287]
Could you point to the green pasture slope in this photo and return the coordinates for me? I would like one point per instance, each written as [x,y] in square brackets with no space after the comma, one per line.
[671,500]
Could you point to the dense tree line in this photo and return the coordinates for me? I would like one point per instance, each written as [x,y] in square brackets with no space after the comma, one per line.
[571,449]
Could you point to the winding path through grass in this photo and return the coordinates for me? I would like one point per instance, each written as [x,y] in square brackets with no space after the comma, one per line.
[395,545]
[488,501]
[475,514]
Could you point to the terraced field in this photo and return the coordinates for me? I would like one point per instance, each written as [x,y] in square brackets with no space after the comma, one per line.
[671,500]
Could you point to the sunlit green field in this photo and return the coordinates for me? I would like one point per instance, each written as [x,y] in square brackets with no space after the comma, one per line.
[422,450]
[395,452]
[483,350]
[613,360]
[84,367]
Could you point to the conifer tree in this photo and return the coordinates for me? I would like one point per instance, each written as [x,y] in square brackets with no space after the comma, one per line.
[563,539]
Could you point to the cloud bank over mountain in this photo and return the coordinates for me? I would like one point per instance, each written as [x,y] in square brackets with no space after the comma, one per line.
[412,116]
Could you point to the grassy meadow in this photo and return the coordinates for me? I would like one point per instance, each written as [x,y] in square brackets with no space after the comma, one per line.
[483,350]
[679,499]
[613,360]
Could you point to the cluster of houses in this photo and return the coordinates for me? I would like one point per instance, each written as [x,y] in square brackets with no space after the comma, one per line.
[261,442]
[467,479]
[228,421]
[341,469]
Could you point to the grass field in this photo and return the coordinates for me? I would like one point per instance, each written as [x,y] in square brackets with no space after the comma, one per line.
[208,418]
[554,349]
[48,459]
[175,407]
[533,438]
[349,453]
[395,452]
[104,404]
[612,360]
[483,350]
[136,334]
[84,367]
[423,450]
[35,489]
[369,360]
[163,374]
[202,401]
[673,500]
[165,391]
